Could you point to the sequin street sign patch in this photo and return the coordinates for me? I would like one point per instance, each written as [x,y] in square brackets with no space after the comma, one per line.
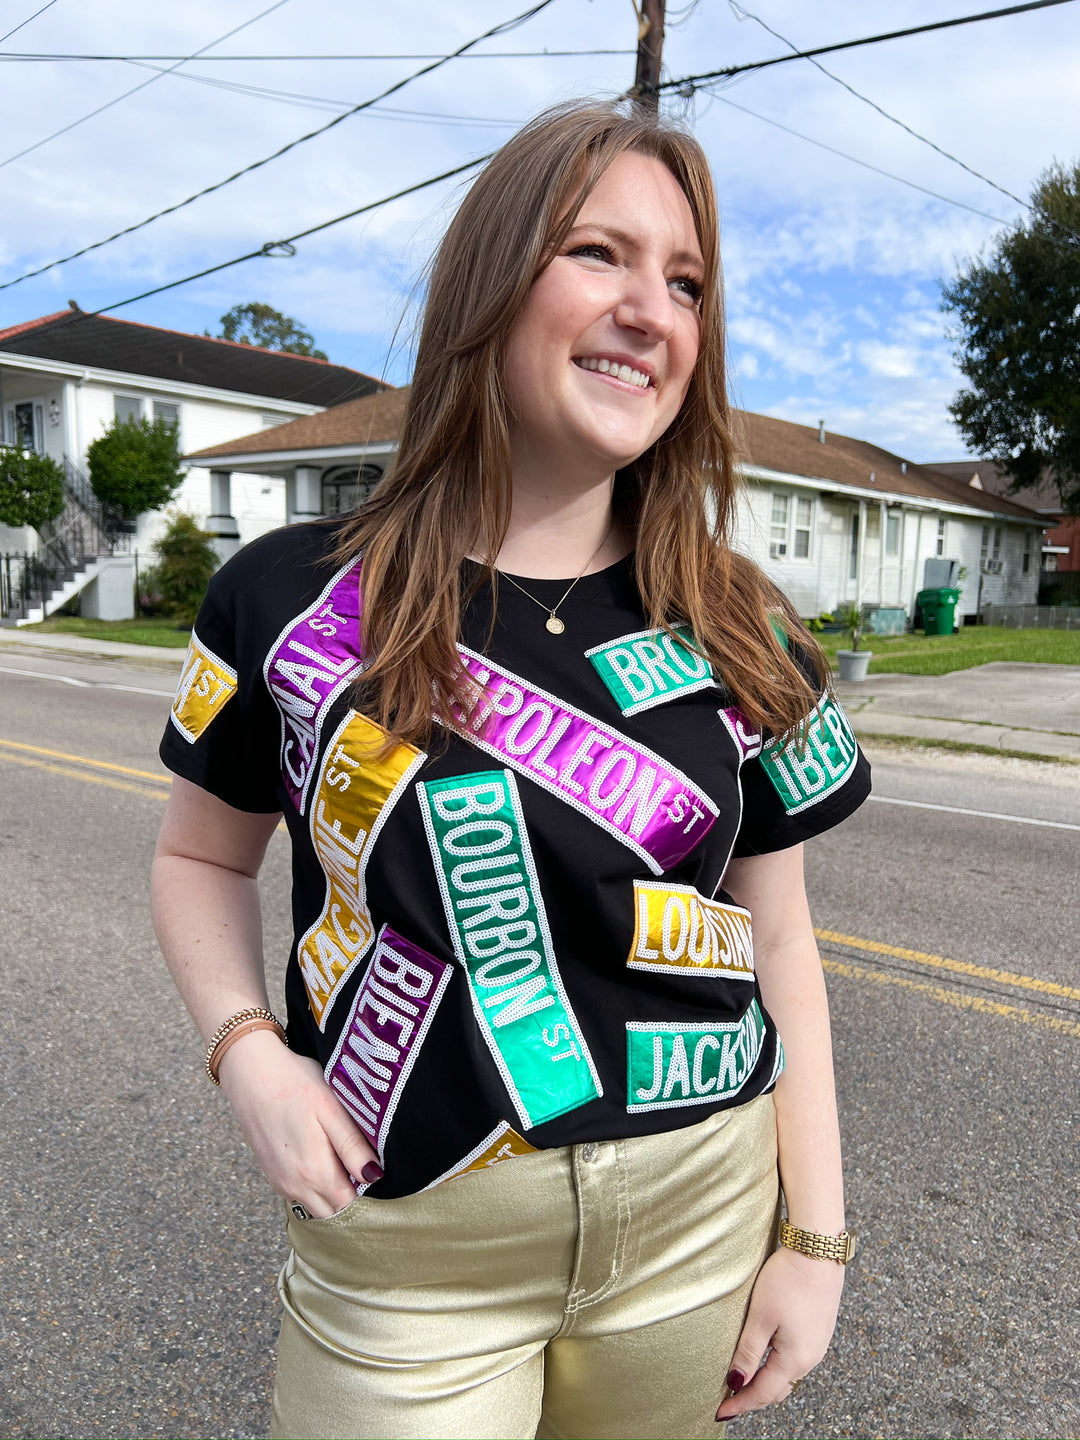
[390,1017]
[499,928]
[312,661]
[625,788]
[676,928]
[353,796]
[501,1145]
[206,686]
[670,1065]
[805,769]
[650,667]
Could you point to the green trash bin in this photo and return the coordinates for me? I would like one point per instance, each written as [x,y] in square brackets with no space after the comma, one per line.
[938,609]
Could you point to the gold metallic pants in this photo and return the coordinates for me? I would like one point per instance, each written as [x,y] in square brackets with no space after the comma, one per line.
[590,1291]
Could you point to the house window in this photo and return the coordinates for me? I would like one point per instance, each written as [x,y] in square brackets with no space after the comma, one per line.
[984,545]
[940,550]
[853,553]
[778,526]
[127,407]
[167,411]
[790,526]
[1025,565]
[804,514]
[997,542]
[892,535]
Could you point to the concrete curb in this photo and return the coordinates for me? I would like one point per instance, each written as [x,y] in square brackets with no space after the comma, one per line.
[152,657]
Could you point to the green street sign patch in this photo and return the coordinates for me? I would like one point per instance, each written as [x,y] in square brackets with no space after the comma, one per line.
[804,770]
[670,1065]
[650,667]
[499,928]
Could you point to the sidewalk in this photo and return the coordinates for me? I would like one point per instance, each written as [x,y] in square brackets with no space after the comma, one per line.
[38,642]
[1025,709]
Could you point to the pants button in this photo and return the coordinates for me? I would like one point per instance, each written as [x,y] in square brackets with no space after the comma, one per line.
[590,1151]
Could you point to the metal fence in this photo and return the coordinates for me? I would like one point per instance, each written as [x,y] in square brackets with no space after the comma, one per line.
[26,582]
[1032,617]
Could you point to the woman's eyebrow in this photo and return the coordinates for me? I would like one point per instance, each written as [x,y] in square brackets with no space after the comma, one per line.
[628,241]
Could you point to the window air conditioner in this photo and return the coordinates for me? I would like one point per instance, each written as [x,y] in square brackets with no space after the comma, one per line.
[777,549]
[991,567]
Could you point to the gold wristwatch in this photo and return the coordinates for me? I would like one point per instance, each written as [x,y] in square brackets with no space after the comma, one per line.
[840,1248]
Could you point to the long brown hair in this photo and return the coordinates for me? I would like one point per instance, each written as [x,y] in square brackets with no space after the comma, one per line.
[449,492]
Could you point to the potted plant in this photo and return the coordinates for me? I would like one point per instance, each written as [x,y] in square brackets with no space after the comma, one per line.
[853,663]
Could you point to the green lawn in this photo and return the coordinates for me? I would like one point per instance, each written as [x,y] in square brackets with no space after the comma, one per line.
[145,631]
[920,654]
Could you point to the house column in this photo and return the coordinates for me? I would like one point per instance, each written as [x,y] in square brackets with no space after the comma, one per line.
[221,522]
[303,494]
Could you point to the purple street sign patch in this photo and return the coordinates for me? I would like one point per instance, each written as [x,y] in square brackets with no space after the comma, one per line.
[389,1019]
[309,665]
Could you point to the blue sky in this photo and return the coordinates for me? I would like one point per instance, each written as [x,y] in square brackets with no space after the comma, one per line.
[833,270]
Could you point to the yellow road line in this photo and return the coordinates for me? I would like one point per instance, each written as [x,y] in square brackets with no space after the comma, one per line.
[162,778]
[961,967]
[957,998]
[91,779]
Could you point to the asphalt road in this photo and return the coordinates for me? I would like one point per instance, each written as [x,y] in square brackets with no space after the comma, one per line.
[139,1245]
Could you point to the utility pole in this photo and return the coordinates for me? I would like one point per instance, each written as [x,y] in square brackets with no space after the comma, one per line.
[650,49]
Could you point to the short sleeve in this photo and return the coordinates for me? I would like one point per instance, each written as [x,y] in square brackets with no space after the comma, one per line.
[222,730]
[799,785]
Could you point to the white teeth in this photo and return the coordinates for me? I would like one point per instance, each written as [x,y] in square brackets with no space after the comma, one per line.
[619,372]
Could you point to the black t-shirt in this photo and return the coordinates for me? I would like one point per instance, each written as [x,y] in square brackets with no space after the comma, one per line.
[517,941]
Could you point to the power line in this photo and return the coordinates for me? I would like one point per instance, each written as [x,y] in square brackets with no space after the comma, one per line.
[741,11]
[688,82]
[153,79]
[501,28]
[286,247]
[27,21]
[31,56]
[866,165]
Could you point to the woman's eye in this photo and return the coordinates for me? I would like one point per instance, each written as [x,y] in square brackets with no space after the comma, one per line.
[689,287]
[594,251]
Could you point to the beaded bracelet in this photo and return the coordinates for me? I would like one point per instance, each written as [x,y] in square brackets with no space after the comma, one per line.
[235,1028]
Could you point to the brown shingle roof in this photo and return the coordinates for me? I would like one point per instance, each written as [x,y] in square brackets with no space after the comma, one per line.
[796,450]
[762,440]
[1044,497]
[357,422]
[108,343]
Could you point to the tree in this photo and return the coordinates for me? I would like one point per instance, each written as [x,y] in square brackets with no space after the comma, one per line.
[1018,327]
[31,488]
[135,466]
[186,561]
[269,329]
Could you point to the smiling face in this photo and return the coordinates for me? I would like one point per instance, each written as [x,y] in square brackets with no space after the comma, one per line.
[598,362]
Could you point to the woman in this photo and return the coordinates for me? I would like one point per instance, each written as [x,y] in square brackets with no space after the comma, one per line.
[527,1123]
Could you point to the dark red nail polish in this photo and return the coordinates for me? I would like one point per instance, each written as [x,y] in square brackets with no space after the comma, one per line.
[371,1172]
[735,1381]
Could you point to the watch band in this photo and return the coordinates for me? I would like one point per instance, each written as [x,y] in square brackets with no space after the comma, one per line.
[840,1248]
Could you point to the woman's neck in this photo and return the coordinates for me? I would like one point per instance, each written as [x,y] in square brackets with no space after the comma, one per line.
[551,535]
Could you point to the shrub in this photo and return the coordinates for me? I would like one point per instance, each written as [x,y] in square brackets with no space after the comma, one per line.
[135,466]
[31,488]
[186,560]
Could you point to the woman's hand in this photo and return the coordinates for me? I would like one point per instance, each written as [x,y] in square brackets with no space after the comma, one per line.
[305,1141]
[792,1308]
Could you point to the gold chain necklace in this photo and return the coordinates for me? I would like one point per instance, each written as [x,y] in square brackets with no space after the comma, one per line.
[553,624]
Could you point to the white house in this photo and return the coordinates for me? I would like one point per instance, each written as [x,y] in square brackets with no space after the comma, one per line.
[833,520]
[65,377]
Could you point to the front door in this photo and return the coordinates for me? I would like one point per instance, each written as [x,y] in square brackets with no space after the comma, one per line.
[25,425]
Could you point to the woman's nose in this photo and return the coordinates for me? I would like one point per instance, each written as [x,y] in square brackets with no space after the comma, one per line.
[646,305]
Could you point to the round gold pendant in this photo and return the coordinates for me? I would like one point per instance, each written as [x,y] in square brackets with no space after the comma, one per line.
[554,625]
